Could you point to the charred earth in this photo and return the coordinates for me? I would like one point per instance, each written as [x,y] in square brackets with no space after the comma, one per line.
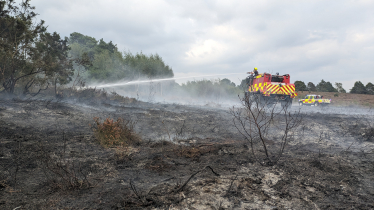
[188,157]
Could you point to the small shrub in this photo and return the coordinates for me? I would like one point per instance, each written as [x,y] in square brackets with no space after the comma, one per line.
[336,95]
[62,172]
[112,133]
[121,99]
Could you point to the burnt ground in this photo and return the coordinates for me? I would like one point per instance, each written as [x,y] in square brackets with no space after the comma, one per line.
[190,157]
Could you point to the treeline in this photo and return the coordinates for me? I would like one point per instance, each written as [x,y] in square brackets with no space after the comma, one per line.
[215,89]
[324,86]
[33,59]
[211,88]
[104,62]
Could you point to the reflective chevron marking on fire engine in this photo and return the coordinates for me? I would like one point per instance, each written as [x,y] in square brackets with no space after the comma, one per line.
[258,86]
[285,89]
[273,89]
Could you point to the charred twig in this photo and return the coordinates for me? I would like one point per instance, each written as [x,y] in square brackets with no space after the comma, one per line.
[194,174]
[180,132]
[133,188]
[205,145]
[232,182]
[166,129]
[35,94]
[64,174]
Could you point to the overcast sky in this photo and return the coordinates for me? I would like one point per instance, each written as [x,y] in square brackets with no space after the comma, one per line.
[310,40]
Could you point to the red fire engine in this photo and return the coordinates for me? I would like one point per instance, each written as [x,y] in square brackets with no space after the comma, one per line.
[270,89]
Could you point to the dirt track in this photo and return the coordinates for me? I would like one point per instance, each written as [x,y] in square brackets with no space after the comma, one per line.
[327,165]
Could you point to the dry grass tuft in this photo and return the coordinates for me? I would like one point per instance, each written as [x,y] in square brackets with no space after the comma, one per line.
[112,133]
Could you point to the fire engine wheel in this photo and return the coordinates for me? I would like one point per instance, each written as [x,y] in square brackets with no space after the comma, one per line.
[316,104]
[301,104]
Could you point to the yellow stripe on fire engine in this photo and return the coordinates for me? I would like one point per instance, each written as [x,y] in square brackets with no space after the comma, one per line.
[290,88]
[270,87]
[283,89]
[276,89]
[273,88]
[286,90]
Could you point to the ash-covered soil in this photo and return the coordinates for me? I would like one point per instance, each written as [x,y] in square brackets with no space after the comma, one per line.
[190,157]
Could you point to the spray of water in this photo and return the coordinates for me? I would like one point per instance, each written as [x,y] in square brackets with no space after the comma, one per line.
[157,80]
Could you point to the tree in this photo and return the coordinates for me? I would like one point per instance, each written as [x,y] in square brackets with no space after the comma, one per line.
[29,56]
[211,89]
[80,44]
[358,88]
[300,86]
[339,87]
[243,85]
[108,64]
[311,86]
[226,81]
[370,88]
[51,56]
[151,66]
[325,87]
[105,62]
[255,122]
[17,33]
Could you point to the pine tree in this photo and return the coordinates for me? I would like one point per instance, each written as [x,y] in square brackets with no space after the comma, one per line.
[311,86]
[300,86]
[358,88]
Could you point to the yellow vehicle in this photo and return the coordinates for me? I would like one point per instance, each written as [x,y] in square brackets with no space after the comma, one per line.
[315,100]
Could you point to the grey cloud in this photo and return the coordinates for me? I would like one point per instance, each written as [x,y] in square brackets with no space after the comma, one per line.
[309,39]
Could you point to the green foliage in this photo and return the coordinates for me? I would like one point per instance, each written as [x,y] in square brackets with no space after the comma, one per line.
[311,86]
[106,63]
[370,88]
[227,82]
[151,66]
[29,56]
[212,89]
[325,87]
[243,85]
[339,87]
[52,52]
[102,61]
[300,86]
[359,88]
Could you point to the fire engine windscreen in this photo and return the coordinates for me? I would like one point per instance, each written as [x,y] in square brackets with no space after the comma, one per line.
[276,78]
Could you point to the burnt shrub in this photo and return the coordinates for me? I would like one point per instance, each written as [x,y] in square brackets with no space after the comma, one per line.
[63,172]
[368,133]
